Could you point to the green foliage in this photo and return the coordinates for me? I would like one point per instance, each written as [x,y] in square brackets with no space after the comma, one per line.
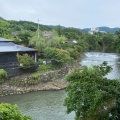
[105,40]
[41,45]
[25,60]
[82,46]
[92,41]
[24,37]
[72,33]
[92,96]
[41,61]
[73,53]
[61,56]
[43,67]
[11,112]
[57,56]
[3,75]
[59,30]
[57,42]
[25,32]
[116,42]
[5,29]
[35,76]
[117,45]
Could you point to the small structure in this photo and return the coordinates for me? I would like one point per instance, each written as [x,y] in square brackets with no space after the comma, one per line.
[93,30]
[74,41]
[8,58]
[46,34]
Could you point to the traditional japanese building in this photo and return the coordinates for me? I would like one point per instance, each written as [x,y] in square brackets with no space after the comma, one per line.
[8,58]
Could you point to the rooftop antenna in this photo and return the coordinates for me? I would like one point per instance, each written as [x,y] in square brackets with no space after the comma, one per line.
[38,29]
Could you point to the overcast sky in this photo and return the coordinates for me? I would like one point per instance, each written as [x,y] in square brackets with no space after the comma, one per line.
[69,13]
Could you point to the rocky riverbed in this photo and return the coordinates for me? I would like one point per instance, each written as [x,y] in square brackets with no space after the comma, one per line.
[52,80]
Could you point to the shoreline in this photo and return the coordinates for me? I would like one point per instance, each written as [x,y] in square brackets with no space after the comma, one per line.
[49,86]
[47,81]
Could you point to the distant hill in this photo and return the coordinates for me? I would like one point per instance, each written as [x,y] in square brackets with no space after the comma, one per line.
[106,29]
[12,25]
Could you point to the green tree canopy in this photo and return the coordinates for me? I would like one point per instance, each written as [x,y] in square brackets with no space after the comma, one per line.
[25,60]
[116,43]
[11,112]
[92,41]
[57,56]
[91,95]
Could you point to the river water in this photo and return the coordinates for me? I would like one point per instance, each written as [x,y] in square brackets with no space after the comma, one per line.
[96,58]
[48,105]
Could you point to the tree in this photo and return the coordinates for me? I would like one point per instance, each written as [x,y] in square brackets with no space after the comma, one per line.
[11,112]
[25,37]
[105,40]
[59,29]
[82,45]
[92,96]
[116,43]
[72,33]
[25,60]
[57,56]
[57,42]
[3,75]
[92,41]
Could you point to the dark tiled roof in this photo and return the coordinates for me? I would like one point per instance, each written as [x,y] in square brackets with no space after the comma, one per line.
[7,45]
[4,40]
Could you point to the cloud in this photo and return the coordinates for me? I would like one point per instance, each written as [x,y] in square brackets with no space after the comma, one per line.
[72,13]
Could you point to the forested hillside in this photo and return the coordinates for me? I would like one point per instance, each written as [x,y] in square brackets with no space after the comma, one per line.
[49,38]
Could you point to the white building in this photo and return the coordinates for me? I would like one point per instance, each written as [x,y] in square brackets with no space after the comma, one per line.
[93,30]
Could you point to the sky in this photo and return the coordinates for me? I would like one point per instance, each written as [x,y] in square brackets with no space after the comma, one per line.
[68,13]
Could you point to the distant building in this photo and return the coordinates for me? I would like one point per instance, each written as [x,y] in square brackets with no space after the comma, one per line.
[74,41]
[8,58]
[95,30]
[46,34]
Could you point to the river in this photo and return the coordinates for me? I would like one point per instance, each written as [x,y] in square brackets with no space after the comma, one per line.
[48,105]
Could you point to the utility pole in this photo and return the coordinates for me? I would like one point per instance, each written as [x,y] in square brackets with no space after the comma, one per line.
[38,30]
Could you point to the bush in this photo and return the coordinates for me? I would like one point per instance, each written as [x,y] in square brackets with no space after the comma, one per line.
[41,61]
[44,68]
[73,53]
[11,112]
[3,75]
[25,61]
[35,76]
[57,56]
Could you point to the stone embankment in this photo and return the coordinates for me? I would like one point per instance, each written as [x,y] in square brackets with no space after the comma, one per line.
[52,80]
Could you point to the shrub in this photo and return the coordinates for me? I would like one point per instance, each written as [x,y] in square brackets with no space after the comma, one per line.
[57,56]
[44,68]
[41,61]
[25,60]
[73,53]
[3,75]
[11,112]
[35,76]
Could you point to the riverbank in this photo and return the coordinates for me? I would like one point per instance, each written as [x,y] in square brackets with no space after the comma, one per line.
[51,80]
